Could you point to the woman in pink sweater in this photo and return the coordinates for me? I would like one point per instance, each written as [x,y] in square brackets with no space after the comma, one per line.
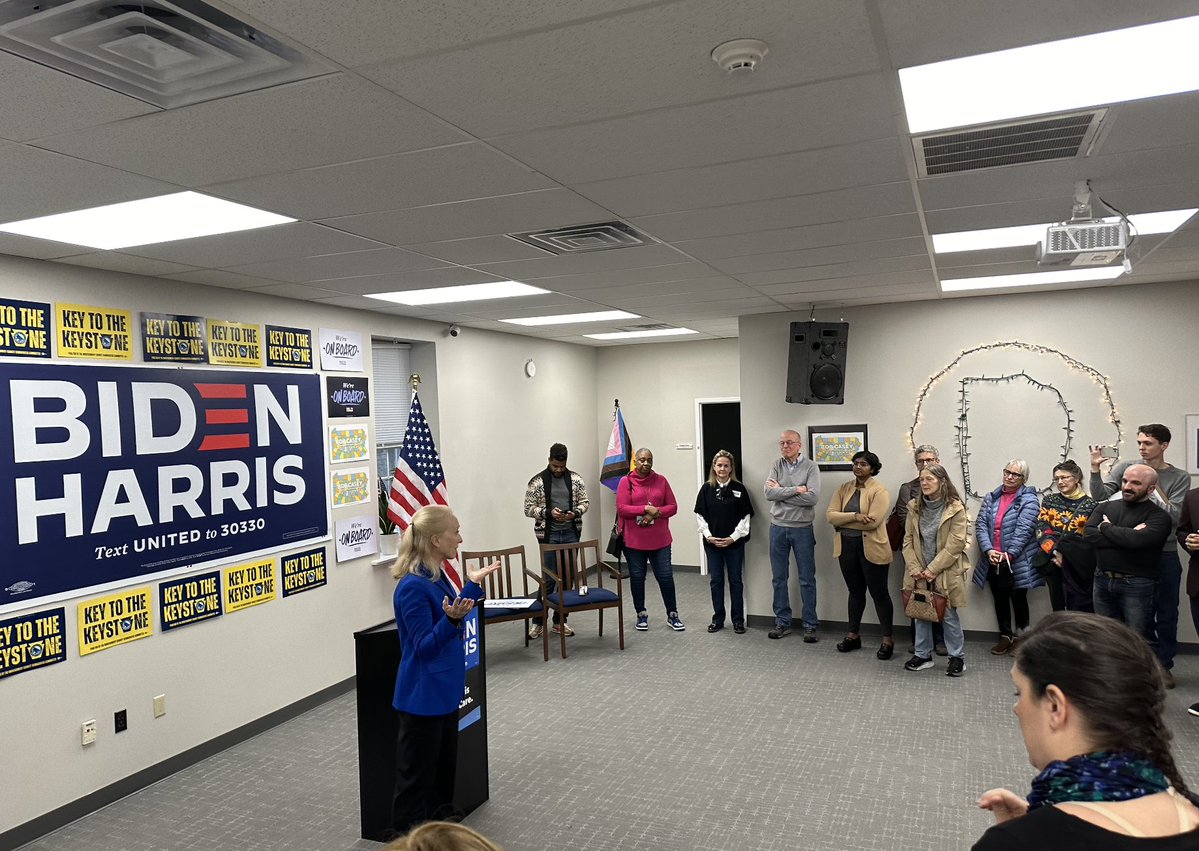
[644,505]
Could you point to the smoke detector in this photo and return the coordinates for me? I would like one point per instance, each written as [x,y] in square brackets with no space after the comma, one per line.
[739,56]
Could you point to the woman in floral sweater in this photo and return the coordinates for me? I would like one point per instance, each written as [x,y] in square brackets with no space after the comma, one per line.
[1065,560]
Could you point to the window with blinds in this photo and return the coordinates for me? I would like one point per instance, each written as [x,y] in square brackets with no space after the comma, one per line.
[391,398]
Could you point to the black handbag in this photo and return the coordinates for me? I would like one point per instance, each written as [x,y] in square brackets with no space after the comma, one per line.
[615,541]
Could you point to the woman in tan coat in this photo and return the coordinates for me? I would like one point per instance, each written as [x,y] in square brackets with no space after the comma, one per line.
[934,550]
[858,514]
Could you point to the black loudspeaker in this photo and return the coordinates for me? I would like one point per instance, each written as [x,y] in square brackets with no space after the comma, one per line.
[816,363]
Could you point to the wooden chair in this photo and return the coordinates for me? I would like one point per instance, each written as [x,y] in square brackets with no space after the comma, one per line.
[569,564]
[499,585]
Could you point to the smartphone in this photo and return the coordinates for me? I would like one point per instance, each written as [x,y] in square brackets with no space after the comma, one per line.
[1109,452]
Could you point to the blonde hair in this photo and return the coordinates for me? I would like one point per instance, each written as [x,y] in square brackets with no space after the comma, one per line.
[723,453]
[442,836]
[416,547]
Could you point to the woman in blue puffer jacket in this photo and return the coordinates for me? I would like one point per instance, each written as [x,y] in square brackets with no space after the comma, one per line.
[1006,529]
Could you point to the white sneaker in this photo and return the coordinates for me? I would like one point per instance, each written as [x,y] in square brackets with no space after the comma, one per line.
[535,631]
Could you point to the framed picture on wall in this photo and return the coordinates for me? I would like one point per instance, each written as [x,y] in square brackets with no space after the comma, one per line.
[1193,444]
[832,447]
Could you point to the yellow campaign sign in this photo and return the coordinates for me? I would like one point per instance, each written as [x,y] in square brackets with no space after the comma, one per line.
[249,584]
[115,619]
[234,343]
[85,331]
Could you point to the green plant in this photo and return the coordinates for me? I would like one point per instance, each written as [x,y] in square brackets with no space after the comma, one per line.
[386,524]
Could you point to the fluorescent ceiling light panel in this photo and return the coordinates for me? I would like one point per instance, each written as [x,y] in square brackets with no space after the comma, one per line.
[1145,224]
[633,335]
[453,295]
[571,318]
[1138,62]
[1062,276]
[183,215]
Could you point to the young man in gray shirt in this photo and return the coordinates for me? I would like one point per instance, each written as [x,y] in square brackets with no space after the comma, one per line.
[793,490]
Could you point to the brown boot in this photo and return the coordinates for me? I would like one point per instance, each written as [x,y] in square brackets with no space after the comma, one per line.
[1002,646]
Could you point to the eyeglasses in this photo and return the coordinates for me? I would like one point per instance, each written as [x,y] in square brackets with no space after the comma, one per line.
[923,461]
[1063,478]
[1013,475]
[788,442]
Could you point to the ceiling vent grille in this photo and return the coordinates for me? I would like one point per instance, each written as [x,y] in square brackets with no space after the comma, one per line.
[602,236]
[1059,137]
[167,53]
[650,326]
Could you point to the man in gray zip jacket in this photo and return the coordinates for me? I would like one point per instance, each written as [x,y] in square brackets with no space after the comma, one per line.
[793,490]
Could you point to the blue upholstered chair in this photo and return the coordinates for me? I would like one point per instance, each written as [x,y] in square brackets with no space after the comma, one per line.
[570,565]
[499,585]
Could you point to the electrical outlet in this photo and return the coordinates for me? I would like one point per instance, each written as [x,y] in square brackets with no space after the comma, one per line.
[87,732]
[160,706]
[120,720]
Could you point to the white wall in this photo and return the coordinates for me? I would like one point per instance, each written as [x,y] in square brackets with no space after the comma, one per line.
[894,349]
[493,425]
[657,386]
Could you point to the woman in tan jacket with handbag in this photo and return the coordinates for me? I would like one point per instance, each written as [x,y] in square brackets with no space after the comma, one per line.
[934,552]
[858,514]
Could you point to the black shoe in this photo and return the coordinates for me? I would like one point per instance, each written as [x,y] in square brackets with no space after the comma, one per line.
[779,631]
[847,644]
[739,628]
[810,637]
[956,665]
[1193,709]
[917,663]
[885,651]
[715,627]
[941,650]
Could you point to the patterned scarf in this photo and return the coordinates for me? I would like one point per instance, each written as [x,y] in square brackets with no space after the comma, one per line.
[1099,776]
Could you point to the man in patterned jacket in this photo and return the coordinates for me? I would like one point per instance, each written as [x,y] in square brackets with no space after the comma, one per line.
[556,499]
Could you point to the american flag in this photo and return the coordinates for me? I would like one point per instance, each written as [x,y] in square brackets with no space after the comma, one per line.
[419,478]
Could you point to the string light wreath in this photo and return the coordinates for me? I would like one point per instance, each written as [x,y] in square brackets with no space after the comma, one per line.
[963,426]
[1113,414]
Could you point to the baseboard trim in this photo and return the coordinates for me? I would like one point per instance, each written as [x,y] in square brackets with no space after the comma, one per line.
[77,809]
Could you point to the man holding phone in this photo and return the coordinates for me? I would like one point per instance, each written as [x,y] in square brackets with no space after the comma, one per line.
[1171,490]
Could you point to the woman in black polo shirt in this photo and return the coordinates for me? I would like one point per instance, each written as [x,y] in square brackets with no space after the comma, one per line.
[723,511]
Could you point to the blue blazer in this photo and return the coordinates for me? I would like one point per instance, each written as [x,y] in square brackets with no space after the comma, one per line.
[432,671]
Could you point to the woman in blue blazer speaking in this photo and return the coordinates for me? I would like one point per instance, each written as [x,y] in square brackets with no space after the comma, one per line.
[429,611]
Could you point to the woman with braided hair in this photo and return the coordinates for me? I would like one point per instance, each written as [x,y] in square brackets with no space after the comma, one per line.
[1089,701]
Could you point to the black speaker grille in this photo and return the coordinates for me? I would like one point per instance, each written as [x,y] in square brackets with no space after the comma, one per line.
[826,381]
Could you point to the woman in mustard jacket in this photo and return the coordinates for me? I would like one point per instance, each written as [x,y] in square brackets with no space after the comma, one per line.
[858,514]
[934,550]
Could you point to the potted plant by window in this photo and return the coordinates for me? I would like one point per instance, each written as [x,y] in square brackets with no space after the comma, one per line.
[389,538]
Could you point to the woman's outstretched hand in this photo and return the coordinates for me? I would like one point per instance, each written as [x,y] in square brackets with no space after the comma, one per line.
[476,574]
[458,609]
[1004,804]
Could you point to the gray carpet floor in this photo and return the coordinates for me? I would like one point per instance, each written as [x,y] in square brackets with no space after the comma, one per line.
[683,741]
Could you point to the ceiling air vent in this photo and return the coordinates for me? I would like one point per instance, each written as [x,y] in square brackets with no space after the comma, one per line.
[650,326]
[1059,137]
[165,53]
[602,236]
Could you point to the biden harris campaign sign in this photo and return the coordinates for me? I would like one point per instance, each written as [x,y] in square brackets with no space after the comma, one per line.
[108,474]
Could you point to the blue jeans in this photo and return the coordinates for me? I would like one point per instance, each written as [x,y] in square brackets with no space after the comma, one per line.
[660,561]
[1165,607]
[563,536]
[801,540]
[732,560]
[955,642]
[1126,598]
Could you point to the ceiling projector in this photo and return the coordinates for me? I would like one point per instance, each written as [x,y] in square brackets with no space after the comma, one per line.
[1084,240]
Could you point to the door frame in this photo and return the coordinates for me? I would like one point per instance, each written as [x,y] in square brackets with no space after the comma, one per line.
[701,465]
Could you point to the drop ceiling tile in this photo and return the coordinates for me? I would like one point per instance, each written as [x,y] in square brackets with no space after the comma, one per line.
[38,101]
[219,278]
[779,284]
[298,239]
[853,110]
[482,249]
[326,120]
[799,264]
[675,289]
[868,238]
[344,265]
[528,211]
[654,275]
[775,213]
[1152,123]
[862,164]
[40,183]
[425,279]
[117,262]
[296,291]
[416,179]
[649,300]
[370,31]
[591,261]
[653,57]
[37,249]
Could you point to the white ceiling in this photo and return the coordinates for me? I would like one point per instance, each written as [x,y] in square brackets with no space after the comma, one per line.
[449,124]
